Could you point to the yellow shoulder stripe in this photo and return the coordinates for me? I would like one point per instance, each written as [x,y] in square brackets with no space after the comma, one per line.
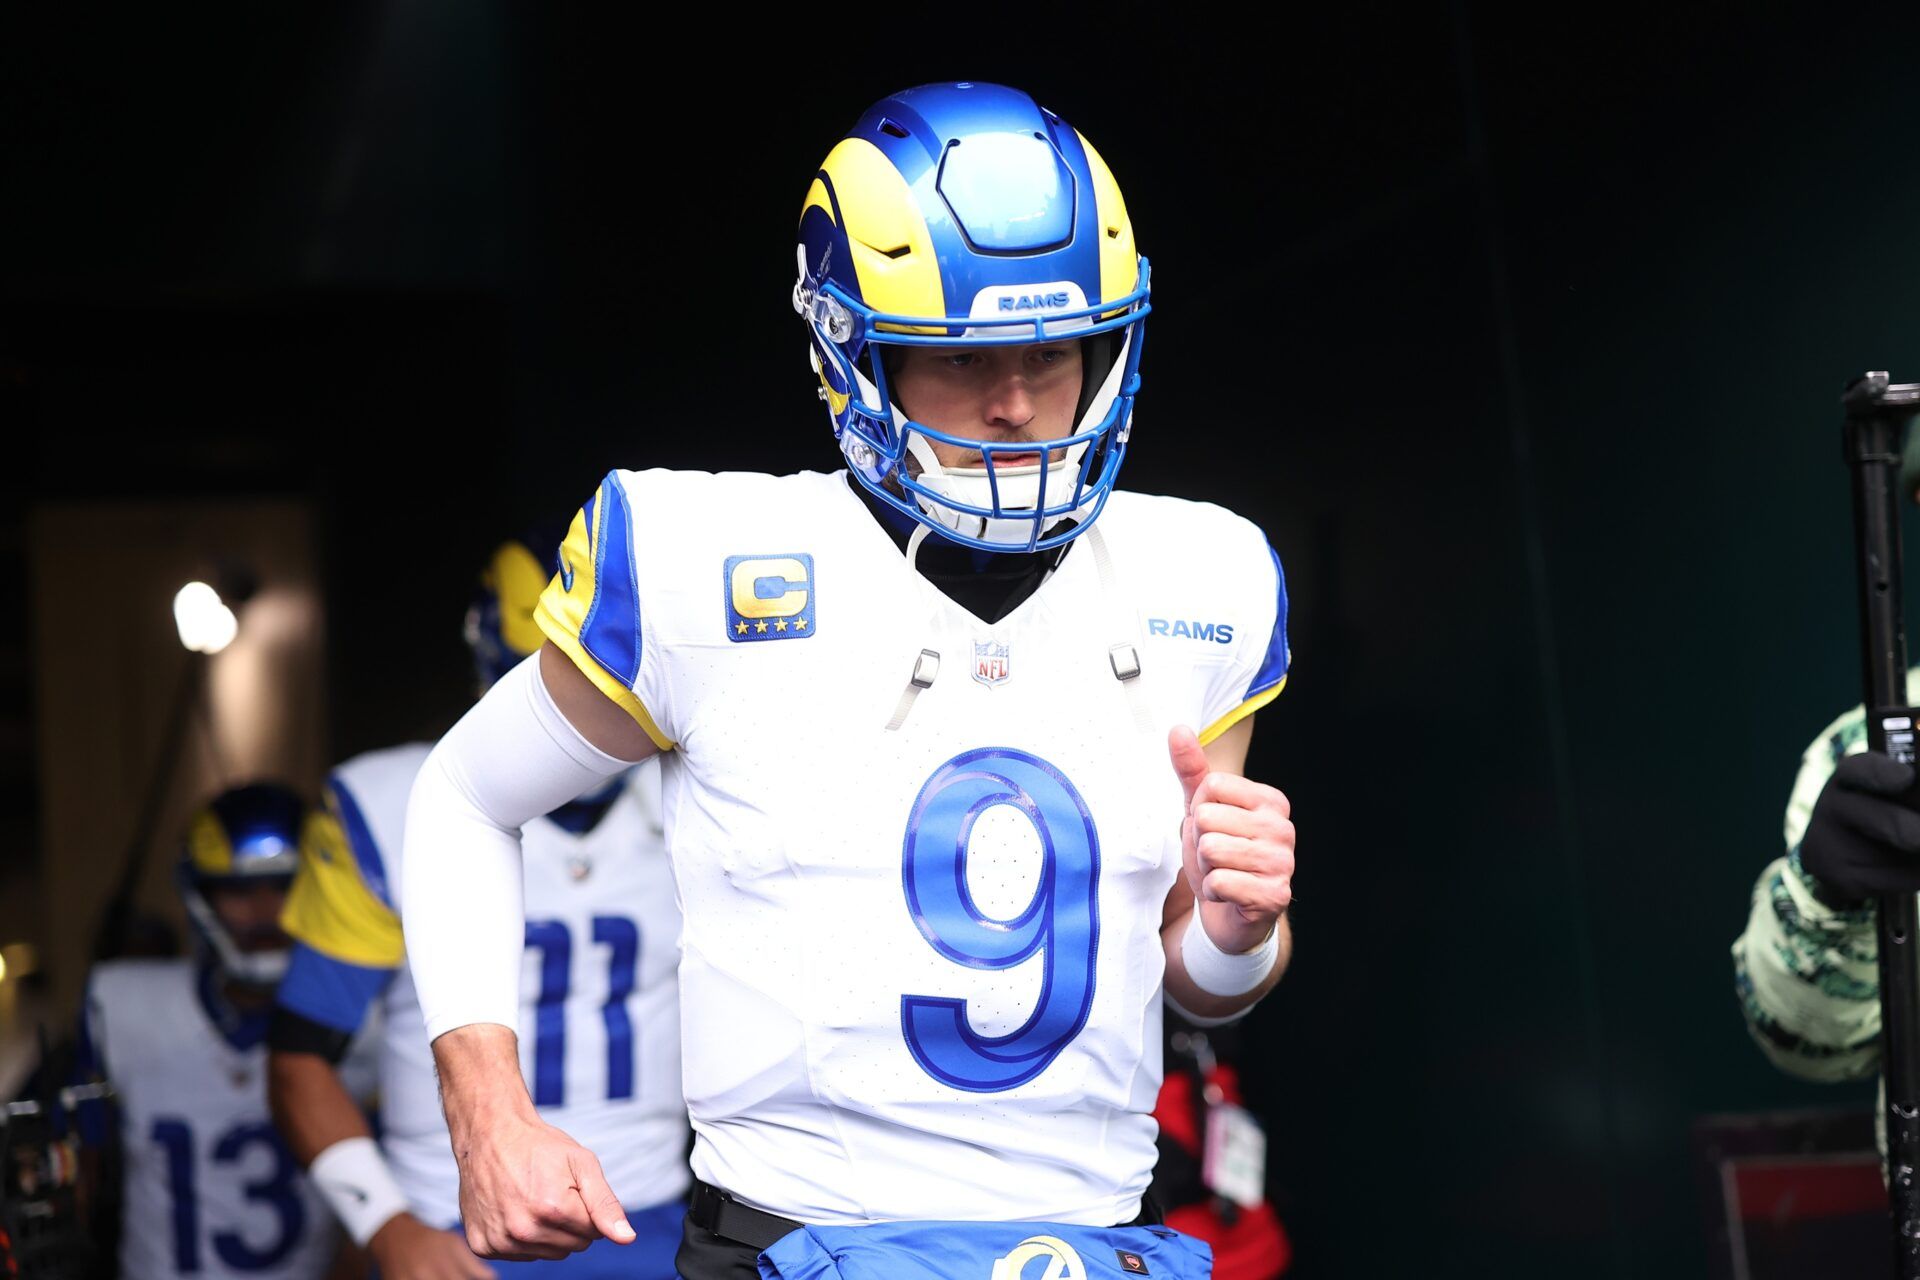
[569,643]
[561,614]
[1241,712]
[331,909]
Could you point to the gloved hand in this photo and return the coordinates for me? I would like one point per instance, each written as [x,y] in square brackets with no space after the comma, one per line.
[1862,840]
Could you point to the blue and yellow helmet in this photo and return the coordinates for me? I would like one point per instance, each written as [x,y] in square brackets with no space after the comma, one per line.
[958,215]
[500,629]
[245,835]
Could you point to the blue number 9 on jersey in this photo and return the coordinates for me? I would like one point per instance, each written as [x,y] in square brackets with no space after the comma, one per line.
[1063,920]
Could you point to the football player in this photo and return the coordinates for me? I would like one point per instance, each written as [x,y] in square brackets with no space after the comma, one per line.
[943,827]
[209,1189]
[595,987]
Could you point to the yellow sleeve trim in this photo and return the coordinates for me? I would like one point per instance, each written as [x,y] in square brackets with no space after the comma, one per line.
[561,613]
[1241,712]
[330,907]
[569,644]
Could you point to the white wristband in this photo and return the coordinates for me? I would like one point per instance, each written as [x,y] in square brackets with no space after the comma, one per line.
[1219,974]
[352,1176]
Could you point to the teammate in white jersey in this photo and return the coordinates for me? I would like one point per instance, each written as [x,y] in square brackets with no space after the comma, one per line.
[930,768]
[208,1188]
[598,1005]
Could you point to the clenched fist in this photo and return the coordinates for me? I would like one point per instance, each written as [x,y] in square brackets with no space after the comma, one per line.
[1237,843]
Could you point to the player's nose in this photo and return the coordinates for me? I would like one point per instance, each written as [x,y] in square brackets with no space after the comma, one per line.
[1009,404]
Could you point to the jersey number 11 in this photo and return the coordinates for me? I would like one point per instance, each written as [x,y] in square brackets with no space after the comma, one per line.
[554,942]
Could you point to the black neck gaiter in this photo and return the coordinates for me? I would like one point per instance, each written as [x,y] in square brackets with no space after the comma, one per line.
[988,584]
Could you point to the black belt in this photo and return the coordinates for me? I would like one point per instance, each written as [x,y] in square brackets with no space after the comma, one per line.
[712,1209]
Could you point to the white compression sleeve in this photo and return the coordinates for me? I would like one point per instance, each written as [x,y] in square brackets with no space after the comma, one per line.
[511,758]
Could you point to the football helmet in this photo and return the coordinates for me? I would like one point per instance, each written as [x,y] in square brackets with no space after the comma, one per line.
[967,215]
[500,629]
[246,835]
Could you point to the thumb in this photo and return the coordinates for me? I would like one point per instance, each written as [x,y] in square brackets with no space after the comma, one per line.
[1189,761]
[603,1207]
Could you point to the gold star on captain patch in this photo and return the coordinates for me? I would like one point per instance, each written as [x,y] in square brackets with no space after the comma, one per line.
[739,628]
[760,627]
[780,625]
[799,624]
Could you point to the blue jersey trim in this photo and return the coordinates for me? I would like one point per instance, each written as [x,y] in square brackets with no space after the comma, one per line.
[1274,668]
[330,992]
[611,631]
[366,850]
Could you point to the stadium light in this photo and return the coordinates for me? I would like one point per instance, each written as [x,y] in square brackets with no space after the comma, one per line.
[18,960]
[206,624]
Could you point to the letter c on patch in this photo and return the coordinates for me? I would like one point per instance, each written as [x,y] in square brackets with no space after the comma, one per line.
[774,588]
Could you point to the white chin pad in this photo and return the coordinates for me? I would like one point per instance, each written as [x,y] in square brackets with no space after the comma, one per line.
[1019,488]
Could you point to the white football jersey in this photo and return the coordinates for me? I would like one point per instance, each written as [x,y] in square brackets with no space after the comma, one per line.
[210,1190]
[922,858]
[599,1013]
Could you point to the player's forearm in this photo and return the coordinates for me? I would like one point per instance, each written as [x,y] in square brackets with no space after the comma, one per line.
[480,1081]
[311,1108]
[1190,997]
[464,911]
[328,1135]
[510,759]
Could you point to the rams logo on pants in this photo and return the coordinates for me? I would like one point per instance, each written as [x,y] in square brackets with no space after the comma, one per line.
[1060,1261]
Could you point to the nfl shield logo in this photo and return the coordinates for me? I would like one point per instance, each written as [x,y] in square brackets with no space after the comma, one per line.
[990,664]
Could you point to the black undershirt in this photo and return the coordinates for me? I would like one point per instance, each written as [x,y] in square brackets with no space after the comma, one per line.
[988,584]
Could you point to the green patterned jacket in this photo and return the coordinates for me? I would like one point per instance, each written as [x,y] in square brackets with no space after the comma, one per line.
[1807,975]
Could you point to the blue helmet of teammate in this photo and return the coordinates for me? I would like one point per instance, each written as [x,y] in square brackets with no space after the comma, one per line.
[961,215]
[500,629]
[243,837]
